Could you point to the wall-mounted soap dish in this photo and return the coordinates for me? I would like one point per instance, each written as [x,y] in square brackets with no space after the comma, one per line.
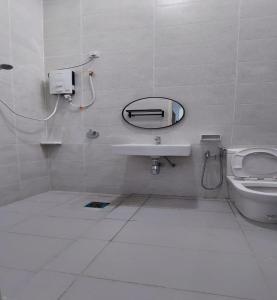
[206,138]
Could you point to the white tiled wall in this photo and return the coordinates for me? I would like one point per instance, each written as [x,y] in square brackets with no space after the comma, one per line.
[217,57]
[23,164]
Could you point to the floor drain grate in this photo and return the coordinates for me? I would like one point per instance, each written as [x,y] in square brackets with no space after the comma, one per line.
[97,204]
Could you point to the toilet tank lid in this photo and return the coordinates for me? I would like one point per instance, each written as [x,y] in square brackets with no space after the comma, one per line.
[255,162]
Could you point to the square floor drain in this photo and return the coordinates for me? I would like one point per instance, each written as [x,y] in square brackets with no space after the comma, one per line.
[97,204]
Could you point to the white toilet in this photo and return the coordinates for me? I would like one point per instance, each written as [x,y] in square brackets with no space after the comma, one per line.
[252,174]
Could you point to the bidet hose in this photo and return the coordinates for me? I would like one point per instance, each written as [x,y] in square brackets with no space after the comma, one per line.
[221,170]
[32,118]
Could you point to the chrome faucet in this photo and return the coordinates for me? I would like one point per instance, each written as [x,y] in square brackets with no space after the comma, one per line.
[158,140]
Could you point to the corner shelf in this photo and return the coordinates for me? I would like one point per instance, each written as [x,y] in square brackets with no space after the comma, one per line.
[50,143]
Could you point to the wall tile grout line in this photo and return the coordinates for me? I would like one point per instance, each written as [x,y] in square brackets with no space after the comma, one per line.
[237,69]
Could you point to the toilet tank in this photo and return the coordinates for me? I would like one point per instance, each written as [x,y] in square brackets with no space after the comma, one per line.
[230,153]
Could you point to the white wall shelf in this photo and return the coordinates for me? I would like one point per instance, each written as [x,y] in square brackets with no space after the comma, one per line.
[50,143]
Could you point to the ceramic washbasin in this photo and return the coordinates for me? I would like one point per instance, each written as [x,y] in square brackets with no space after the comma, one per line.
[152,150]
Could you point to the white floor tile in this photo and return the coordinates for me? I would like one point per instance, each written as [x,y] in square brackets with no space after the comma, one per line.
[80,212]
[195,204]
[12,281]
[227,240]
[104,230]
[263,242]
[98,289]
[235,275]
[53,227]
[269,267]
[29,206]
[192,245]
[122,213]
[39,203]
[46,286]
[98,197]
[28,252]
[127,208]
[76,257]
[57,197]
[182,217]
[8,219]
[135,200]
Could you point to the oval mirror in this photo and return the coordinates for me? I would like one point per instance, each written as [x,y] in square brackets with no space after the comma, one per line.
[153,113]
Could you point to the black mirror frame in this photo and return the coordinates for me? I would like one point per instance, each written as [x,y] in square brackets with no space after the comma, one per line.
[123,110]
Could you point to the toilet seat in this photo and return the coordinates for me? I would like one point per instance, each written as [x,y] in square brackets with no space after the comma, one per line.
[238,159]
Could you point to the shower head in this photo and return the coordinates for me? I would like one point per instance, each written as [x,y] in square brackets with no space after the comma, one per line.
[6,67]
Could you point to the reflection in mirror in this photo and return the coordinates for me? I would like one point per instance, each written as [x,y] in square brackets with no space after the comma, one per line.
[153,113]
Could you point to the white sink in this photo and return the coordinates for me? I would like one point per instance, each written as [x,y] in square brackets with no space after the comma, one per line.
[152,150]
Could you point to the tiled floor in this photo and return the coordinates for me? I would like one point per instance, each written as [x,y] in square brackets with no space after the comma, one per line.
[137,248]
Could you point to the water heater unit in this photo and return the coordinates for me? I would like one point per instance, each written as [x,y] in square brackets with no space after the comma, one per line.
[62,82]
